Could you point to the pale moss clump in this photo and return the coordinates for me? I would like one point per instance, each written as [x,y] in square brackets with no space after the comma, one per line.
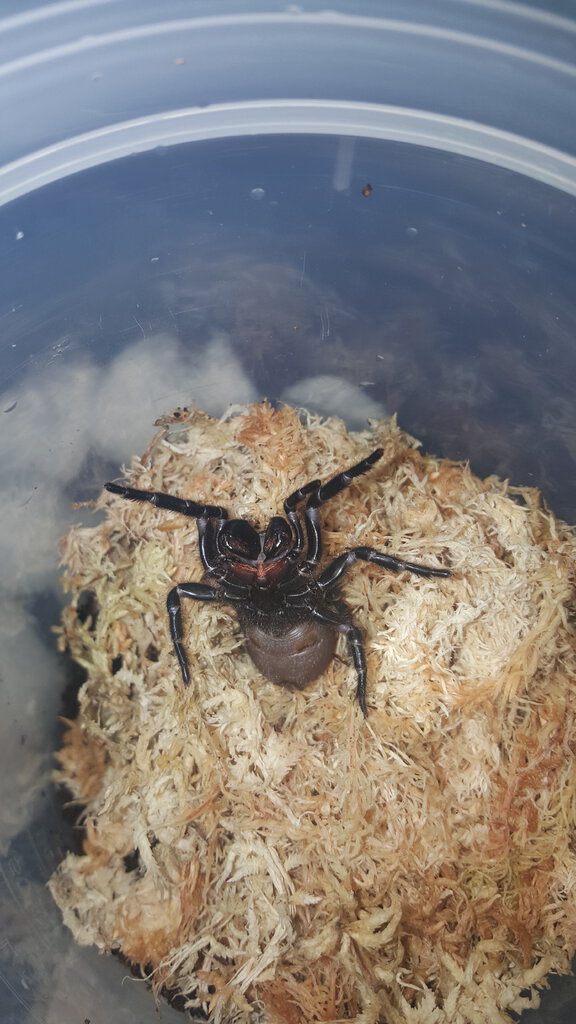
[273,855]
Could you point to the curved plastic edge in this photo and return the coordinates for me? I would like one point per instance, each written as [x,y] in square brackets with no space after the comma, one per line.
[398,124]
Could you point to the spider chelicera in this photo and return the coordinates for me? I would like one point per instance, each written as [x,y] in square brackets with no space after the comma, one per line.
[290,616]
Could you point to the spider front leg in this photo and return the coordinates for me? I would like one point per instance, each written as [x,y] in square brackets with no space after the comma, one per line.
[184,506]
[317,493]
[198,592]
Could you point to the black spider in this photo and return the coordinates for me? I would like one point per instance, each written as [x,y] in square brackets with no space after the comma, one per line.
[290,617]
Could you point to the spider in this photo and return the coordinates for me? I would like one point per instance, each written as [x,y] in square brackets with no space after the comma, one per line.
[290,616]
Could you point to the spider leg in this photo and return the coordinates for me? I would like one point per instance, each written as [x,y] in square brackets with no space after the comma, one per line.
[334,572]
[342,480]
[198,592]
[355,639]
[290,511]
[317,493]
[169,501]
[204,514]
[323,493]
[207,531]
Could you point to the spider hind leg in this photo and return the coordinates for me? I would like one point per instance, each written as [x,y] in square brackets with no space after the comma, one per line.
[339,618]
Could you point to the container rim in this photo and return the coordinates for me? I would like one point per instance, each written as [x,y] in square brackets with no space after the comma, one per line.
[289,116]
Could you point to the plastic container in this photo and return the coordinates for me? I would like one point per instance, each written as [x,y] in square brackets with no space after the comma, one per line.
[365,209]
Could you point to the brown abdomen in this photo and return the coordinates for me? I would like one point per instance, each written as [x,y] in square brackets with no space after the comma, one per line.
[295,657]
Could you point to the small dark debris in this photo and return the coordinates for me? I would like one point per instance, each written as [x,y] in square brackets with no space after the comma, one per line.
[87,607]
[367,190]
[152,653]
[71,813]
[177,1001]
[131,861]
[117,663]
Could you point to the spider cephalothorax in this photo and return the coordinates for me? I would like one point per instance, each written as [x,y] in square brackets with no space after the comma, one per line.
[290,616]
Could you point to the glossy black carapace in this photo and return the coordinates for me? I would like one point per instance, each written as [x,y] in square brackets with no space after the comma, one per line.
[290,614]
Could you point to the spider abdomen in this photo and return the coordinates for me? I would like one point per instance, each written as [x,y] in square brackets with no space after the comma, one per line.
[292,656]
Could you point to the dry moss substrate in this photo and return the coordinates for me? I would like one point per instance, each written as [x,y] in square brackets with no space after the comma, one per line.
[271,854]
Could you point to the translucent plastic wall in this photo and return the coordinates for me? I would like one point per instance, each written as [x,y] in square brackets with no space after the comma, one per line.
[364,210]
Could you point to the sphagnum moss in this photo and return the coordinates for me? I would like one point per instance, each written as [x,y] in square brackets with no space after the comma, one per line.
[271,854]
